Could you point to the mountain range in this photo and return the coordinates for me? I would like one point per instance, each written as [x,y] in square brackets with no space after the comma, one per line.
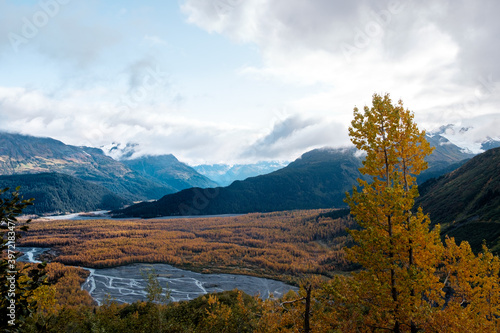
[318,179]
[225,174]
[145,178]
[467,138]
[445,158]
[168,171]
[22,154]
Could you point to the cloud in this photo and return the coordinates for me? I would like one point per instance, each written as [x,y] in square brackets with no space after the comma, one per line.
[285,129]
[292,136]
[145,72]
[428,53]
[79,120]
[58,30]
[291,24]
[474,26]
[77,42]
[323,25]
[96,74]
[157,129]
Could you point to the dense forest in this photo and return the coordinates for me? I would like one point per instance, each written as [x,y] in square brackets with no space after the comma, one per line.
[59,193]
[280,244]
[466,202]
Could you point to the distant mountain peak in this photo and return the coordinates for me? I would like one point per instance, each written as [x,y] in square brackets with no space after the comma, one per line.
[451,129]
[332,150]
[466,137]
[225,174]
[326,153]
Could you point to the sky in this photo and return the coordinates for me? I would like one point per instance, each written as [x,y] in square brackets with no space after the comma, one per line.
[240,81]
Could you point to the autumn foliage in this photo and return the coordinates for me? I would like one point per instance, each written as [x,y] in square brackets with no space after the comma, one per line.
[405,278]
[410,281]
[280,244]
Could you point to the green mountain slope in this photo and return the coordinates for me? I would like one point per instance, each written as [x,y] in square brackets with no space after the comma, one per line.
[319,179]
[167,170]
[58,193]
[22,154]
[467,201]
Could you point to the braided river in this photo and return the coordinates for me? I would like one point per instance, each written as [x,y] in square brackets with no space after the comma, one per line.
[127,284]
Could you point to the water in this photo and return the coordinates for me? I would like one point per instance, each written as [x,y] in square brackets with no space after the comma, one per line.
[100,214]
[31,253]
[104,215]
[126,284]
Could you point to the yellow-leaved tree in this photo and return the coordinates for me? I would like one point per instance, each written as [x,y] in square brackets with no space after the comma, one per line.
[399,254]
[409,280]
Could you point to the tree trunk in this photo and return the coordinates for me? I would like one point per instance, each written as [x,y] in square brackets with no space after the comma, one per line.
[307,314]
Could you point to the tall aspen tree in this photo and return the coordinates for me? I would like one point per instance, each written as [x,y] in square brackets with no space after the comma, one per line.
[398,253]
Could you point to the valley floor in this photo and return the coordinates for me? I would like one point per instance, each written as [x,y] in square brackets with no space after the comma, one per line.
[282,245]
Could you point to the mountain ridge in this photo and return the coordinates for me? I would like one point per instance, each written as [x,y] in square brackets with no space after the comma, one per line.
[24,154]
[225,174]
[317,179]
[466,201]
[168,170]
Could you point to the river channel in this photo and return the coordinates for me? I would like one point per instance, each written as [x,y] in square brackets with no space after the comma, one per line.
[126,284]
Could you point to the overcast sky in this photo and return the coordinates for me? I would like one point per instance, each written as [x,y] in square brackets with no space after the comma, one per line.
[242,80]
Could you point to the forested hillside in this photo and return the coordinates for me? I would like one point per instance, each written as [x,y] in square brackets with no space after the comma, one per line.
[467,201]
[58,193]
[23,154]
[168,171]
[319,179]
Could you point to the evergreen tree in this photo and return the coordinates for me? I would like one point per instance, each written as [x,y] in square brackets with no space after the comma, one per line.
[17,283]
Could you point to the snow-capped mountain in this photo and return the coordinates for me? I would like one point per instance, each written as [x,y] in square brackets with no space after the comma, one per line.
[467,138]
